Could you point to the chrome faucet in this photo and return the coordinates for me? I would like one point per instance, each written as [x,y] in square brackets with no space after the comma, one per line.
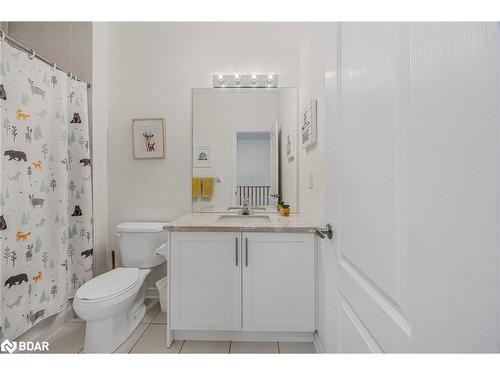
[245,209]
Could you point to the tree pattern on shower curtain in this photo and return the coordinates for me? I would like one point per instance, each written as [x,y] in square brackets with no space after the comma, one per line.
[45,190]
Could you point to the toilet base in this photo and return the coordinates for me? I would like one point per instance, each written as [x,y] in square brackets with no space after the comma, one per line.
[106,335]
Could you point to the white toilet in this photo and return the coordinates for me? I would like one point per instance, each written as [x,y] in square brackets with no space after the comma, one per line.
[112,304]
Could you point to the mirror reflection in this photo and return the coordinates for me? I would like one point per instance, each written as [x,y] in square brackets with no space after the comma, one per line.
[244,149]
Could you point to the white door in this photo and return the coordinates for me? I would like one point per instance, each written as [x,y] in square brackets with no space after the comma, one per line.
[413,187]
[278,282]
[205,280]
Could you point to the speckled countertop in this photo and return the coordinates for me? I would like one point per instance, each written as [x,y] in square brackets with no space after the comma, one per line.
[208,222]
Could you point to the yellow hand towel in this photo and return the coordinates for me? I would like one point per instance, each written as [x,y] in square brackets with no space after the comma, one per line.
[207,187]
[196,187]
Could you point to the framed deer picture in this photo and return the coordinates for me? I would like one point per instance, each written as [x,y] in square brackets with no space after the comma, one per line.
[148,138]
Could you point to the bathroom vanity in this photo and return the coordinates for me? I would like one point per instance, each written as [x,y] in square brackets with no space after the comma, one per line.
[233,277]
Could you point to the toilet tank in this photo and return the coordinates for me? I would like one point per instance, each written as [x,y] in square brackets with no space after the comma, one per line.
[138,242]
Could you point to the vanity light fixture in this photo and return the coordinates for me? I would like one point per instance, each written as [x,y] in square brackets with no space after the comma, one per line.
[221,80]
[238,80]
[270,80]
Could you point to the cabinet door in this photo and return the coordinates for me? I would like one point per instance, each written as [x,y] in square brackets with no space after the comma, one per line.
[205,281]
[278,282]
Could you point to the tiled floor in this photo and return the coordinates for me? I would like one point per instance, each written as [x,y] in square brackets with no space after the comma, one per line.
[149,337]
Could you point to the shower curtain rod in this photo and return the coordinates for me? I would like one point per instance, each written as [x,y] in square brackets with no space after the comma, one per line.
[29,50]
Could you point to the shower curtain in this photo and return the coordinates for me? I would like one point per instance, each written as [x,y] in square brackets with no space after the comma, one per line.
[45,190]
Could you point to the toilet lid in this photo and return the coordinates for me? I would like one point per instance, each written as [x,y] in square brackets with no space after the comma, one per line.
[109,284]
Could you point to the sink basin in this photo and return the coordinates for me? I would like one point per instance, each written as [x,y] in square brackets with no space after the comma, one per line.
[234,208]
[241,219]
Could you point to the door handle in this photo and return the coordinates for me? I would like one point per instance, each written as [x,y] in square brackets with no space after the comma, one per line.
[236,250]
[326,232]
[246,252]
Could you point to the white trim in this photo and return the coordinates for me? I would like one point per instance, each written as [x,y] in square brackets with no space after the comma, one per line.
[391,308]
[243,336]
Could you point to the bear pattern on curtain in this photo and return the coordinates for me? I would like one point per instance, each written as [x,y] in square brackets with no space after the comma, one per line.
[45,190]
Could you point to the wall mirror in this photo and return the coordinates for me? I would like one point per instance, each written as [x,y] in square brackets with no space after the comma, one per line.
[244,147]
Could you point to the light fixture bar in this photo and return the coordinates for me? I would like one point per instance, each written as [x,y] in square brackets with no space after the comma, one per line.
[221,80]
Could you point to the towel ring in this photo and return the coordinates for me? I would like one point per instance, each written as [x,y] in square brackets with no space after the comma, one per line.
[32,54]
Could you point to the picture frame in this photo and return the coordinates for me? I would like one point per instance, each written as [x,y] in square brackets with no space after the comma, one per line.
[309,125]
[148,138]
[202,157]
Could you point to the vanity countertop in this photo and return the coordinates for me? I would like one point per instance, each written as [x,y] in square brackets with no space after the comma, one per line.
[208,222]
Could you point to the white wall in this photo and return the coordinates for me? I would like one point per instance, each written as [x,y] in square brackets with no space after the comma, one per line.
[100,117]
[287,120]
[318,49]
[152,69]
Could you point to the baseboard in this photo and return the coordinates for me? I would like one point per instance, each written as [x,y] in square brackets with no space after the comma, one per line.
[242,336]
[318,345]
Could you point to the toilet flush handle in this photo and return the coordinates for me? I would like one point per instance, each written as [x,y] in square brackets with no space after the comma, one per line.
[162,250]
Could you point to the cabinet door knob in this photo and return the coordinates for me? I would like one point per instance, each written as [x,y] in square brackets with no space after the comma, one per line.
[236,250]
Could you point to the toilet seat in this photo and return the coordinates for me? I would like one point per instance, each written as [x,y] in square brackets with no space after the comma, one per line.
[109,285]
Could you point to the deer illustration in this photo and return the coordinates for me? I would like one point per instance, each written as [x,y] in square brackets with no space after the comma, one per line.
[35,89]
[27,134]
[150,146]
[22,236]
[21,115]
[29,255]
[35,201]
[15,177]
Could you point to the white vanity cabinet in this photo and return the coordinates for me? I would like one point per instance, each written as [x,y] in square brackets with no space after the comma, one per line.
[238,281]
[205,278]
[278,282]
